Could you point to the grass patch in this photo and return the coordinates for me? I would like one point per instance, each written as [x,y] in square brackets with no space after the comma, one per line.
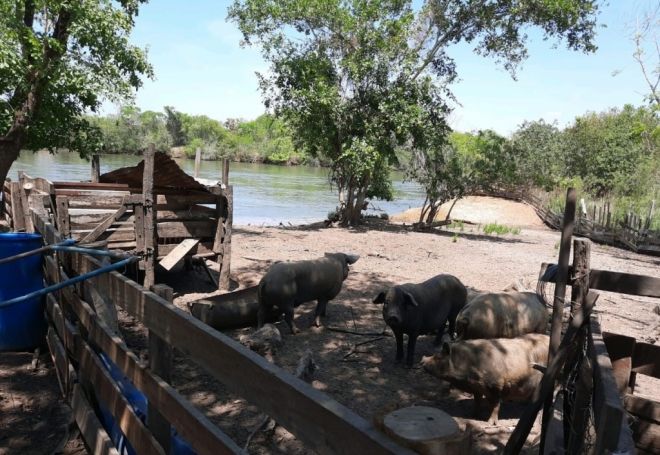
[456,224]
[500,229]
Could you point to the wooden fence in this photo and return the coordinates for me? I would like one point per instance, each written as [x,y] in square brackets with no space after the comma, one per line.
[588,411]
[76,336]
[594,222]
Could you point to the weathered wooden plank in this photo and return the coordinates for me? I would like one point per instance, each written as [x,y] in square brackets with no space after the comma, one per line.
[25,186]
[103,226]
[91,429]
[63,219]
[621,349]
[183,229]
[623,283]
[18,218]
[312,416]
[107,391]
[178,253]
[160,363]
[609,415]
[150,232]
[95,202]
[60,360]
[200,249]
[225,267]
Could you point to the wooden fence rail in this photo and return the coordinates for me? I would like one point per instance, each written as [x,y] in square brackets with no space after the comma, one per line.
[316,419]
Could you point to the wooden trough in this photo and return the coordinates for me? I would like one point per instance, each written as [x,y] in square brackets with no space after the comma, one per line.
[228,311]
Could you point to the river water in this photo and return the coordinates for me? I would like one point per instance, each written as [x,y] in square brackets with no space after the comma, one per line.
[263,193]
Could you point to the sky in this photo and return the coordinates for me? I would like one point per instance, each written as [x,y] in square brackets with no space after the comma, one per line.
[201,68]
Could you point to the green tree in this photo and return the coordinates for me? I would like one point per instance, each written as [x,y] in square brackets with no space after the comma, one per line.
[59,59]
[357,79]
[539,154]
[174,126]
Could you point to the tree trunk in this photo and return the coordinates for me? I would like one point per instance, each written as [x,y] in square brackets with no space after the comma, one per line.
[451,207]
[9,151]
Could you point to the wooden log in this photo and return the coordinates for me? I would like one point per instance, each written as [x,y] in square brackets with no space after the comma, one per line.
[560,290]
[178,253]
[96,169]
[17,217]
[150,233]
[198,161]
[101,228]
[609,415]
[160,362]
[426,430]
[95,436]
[225,267]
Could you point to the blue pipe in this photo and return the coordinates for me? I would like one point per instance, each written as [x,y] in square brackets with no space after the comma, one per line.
[77,249]
[69,282]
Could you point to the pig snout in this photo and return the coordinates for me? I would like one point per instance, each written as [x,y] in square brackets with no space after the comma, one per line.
[392,316]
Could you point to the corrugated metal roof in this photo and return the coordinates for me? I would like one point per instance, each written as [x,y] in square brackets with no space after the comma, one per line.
[167,174]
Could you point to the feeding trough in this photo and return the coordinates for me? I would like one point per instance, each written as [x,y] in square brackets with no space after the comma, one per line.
[232,310]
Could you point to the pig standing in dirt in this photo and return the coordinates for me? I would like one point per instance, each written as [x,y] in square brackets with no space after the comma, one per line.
[416,309]
[496,369]
[502,315]
[288,284]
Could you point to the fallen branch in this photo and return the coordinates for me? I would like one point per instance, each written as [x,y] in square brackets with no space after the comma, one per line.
[384,333]
[353,350]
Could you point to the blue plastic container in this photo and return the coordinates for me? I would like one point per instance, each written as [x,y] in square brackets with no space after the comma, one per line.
[23,325]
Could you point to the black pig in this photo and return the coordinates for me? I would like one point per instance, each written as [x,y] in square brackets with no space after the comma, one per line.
[417,309]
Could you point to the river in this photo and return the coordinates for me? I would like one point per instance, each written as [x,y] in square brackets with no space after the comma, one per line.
[263,193]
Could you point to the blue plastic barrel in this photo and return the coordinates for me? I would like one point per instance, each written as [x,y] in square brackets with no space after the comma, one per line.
[22,325]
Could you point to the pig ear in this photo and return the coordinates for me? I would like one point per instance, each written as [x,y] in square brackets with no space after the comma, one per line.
[380,298]
[410,299]
[446,349]
[351,258]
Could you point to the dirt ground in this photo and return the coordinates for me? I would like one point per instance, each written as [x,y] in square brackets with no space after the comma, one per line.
[367,380]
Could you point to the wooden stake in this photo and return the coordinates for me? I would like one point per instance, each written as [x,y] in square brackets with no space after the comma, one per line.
[560,291]
[198,161]
[225,172]
[224,280]
[160,362]
[150,243]
[96,169]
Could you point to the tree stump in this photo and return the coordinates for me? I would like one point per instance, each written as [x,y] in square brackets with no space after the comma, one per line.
[426,430]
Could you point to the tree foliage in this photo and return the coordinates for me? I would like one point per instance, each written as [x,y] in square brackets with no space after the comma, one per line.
[58,60]
[358,79]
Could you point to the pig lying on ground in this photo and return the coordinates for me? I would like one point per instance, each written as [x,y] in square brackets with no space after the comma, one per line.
[502,315]
[288,284]
[416,309]
[495,369]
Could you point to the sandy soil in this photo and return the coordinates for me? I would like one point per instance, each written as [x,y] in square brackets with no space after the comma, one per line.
[480,210]
[368,381]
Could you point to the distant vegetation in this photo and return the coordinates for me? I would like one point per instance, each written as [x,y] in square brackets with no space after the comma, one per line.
[264,139]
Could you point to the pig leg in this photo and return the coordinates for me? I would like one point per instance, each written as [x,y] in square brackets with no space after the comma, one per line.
[398,335]
[288,318]
[410,355]
[438,338]
[320,311]
[261,316]
[494,408]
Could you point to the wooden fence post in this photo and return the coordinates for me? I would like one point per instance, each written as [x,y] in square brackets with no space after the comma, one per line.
[225,172]
[224,281]
[24,187]
[560,294]
[17,218]
[578,410]
[96,169]
[160,363]
[149,206]
[198,161]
